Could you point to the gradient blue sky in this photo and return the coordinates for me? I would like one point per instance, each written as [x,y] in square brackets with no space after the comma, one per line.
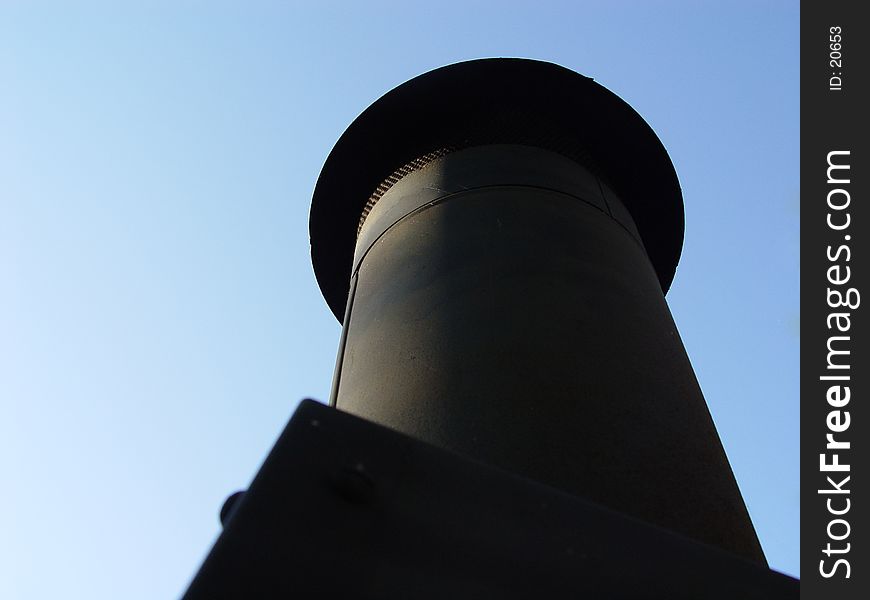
[159,319]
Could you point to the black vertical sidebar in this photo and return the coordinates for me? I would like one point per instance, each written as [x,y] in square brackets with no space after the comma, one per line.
[835,366]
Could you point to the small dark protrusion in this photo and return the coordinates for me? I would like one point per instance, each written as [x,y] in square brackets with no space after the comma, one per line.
[353,483]
[229,506]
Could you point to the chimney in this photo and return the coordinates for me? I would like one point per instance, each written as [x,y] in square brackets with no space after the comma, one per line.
[497,238]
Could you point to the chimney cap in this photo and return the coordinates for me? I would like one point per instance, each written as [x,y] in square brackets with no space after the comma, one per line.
[429,111]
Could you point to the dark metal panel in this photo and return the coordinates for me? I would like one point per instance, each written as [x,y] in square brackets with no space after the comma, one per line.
[343,508]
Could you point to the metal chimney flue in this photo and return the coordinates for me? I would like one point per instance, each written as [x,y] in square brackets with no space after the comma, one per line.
[497,237]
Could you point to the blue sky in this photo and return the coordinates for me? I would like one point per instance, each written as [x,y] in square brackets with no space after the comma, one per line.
[159,318]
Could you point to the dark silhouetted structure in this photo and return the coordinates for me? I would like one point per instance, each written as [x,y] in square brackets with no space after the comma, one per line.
[497,237]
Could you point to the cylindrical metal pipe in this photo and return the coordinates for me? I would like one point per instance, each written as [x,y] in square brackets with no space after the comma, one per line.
[505,306]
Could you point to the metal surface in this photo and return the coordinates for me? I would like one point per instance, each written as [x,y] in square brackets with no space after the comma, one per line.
[505,308]
[343,508]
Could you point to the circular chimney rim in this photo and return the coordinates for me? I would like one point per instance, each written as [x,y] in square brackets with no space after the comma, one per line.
[437,108]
